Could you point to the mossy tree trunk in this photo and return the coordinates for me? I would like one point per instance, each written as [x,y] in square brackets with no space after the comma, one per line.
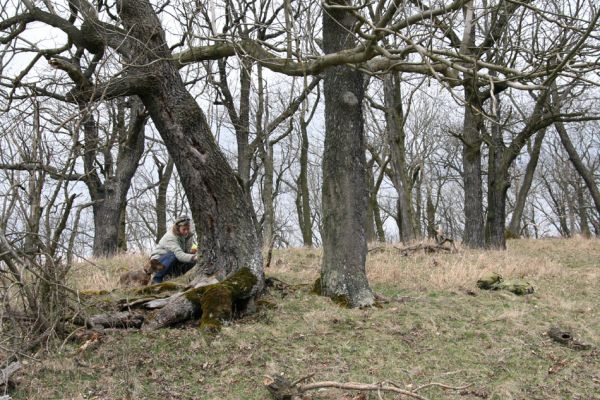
[344,197]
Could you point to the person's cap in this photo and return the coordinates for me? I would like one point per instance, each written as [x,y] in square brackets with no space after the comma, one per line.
[183,220]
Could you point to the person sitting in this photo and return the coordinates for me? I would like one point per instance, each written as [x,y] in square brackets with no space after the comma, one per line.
[175,250]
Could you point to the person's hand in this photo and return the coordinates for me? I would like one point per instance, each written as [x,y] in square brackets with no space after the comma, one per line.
[194,258]
[193,251]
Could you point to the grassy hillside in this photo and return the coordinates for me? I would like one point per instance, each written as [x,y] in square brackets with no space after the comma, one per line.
[435,330]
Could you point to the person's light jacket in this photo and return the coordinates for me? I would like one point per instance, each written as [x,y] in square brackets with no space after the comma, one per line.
[178,245]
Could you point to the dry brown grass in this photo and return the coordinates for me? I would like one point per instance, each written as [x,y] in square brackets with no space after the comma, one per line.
[535,260]
[104,273]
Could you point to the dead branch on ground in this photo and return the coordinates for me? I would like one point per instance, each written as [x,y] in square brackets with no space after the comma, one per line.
[282,389]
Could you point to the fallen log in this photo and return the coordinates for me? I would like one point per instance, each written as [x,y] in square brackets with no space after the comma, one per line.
[121,319]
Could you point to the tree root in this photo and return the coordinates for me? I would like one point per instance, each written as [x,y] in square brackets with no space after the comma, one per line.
[282,389]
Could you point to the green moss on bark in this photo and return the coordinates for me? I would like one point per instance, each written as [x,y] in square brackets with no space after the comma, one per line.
[217,301]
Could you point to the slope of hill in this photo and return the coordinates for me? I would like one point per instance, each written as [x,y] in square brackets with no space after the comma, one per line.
[438,327]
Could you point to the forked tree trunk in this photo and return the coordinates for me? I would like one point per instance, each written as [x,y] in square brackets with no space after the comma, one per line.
[394,118]
[109,197]
[515,223]
[216,197]
[343,275]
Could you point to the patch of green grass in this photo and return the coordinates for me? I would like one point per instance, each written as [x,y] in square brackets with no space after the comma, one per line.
[494,341]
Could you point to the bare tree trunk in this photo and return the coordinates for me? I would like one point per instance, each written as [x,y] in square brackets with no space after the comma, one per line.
[394,118]
[268,226]
[164,177]
[110,196]
[498,185]
[580,167]
[303,197]
[343,275]
[584,226]
[473,203]
[122,241]
[515,223]
[217,199]
[370,215]
[430,216]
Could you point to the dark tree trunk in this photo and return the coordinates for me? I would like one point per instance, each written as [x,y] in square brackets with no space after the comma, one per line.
[430,216]
[515,223]
[110,196]
[394,118]
[473,203]
[343,275]
[164,177]
[498,185]
[370,214]
[303,199]
[122,244]
[217,198]
[584,226]
[580,167]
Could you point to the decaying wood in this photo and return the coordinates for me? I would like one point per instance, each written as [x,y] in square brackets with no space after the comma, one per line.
[214,302]
[566,339]
[282,389]
[6,373]
[121,319]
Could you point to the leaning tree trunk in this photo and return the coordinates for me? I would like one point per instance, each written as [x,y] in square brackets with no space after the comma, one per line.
[580,167]
[514,227]
[217,199]
[343,275]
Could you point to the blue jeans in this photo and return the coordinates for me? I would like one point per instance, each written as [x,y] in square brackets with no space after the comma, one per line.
[173,267]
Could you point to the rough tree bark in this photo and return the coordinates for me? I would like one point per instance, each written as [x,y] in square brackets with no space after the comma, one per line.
[344,197]
[498,184]
[473,203]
